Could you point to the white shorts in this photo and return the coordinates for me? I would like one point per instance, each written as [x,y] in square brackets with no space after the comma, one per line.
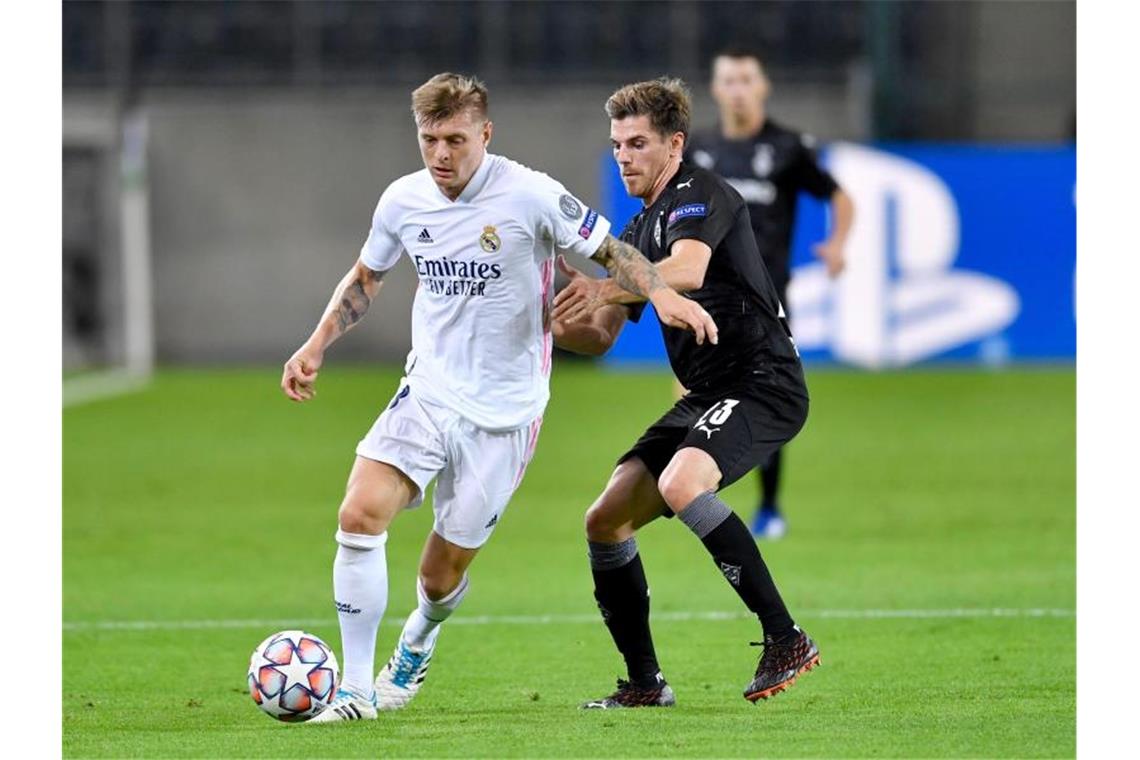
[478,470]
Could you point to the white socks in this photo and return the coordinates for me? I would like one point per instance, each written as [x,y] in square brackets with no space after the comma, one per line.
[360,584]
[422,628]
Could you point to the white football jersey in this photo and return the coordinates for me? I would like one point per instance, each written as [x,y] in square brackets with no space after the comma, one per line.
[481,342]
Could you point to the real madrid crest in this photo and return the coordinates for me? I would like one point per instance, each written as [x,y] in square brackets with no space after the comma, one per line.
[489,241]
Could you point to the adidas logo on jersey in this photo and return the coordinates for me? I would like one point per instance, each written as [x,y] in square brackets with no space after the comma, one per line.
[425,236]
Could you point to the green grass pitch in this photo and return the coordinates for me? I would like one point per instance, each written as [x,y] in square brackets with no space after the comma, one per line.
[210,500]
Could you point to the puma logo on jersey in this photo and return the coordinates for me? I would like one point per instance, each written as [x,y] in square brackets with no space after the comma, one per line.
[687,183]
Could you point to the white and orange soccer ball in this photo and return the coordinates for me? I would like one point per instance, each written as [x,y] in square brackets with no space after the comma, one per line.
[292,675]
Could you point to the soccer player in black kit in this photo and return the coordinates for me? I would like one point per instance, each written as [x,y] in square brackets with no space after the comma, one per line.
[769,165]
[746,394]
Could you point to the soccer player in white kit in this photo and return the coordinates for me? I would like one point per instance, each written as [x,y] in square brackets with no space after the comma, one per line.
[481,231]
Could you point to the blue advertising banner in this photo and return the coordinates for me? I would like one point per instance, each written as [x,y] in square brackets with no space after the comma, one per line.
[962,253]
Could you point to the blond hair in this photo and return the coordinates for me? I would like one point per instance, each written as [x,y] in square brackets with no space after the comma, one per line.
[446,95]
[664,100]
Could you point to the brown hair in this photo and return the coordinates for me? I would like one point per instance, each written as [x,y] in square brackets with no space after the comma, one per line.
[664,100]
[446,95]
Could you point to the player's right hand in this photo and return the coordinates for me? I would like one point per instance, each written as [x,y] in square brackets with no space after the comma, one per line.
[300,374]
[580,298]
[677,311]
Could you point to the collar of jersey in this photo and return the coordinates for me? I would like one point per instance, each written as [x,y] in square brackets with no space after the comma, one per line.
[477,182]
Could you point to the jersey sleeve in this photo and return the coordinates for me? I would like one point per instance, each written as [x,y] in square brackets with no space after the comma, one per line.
[571,224]
[810,176]
[705,215]
[382,249]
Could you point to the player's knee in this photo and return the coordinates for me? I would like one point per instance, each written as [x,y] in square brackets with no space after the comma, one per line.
[678,488]
[603,520]
[358,515]
[690,473]
[673,491]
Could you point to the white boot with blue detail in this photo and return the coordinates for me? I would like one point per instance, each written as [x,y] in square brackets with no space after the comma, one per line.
[402,677]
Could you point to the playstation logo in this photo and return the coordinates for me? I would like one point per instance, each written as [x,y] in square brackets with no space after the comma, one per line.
[900,299]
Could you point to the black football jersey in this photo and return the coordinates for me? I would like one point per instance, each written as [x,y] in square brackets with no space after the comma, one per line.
[768,170]
[754,339]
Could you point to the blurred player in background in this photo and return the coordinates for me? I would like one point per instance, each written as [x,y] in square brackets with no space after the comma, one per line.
[481,231]
[746,398]
[768,164]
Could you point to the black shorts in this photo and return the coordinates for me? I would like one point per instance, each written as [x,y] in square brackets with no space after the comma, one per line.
[740,428]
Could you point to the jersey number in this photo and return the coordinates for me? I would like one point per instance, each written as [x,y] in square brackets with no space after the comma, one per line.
[718,413]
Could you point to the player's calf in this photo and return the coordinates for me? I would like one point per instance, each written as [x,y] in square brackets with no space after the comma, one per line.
[734,551]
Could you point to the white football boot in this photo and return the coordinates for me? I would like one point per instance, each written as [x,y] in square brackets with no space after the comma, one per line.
[402,677]
[348,705]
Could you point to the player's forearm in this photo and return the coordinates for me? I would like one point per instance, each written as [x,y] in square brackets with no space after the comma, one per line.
[630,271]
[678,274]
[582,338]
[594,336]
[350,301]
[842,216]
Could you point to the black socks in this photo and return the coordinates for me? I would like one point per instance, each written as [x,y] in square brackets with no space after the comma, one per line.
[734,551]
[623,598]
[623,593]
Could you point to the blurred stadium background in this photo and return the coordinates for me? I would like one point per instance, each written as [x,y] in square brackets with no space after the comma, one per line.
[267,130]
[221,161]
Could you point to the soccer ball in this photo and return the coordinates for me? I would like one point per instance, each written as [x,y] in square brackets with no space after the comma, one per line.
[292,675]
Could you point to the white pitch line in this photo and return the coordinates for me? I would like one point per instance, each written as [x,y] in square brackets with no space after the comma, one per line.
[285,623]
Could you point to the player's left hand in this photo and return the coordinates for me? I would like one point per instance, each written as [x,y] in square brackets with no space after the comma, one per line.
[831,253]
[579,299]
[675,310]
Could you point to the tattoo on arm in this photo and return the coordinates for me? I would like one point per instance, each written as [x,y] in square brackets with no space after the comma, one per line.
[353,304]
[356,299]
[631,270]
